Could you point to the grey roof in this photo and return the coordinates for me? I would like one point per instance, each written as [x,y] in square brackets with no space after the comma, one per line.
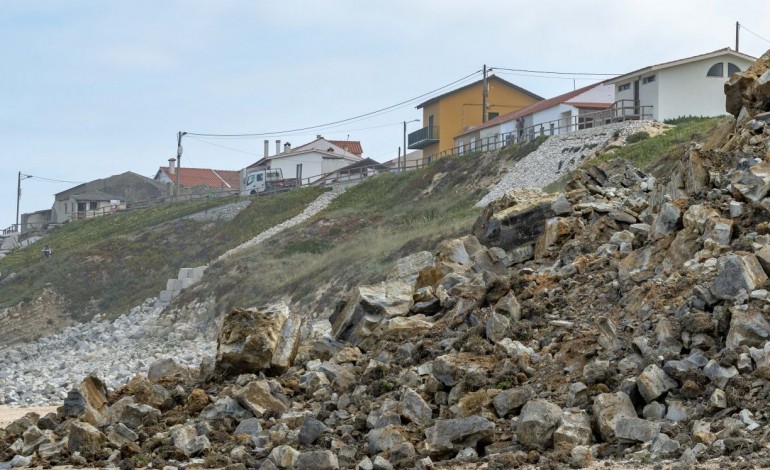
[94,196]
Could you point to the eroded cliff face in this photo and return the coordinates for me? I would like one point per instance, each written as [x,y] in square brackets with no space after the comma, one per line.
[627,317]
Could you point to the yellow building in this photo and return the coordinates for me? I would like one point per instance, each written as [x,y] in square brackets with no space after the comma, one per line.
[454,112]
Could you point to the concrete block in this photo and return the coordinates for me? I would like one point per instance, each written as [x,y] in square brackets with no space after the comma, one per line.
[165,296]
[184,273]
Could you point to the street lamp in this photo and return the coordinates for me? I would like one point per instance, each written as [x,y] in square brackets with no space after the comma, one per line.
[405,123]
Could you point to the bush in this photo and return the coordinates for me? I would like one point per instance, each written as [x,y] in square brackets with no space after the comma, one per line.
[637,137]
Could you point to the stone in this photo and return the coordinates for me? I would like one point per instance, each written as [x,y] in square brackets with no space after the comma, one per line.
[120,434]
[668,220]
[87,401]
[607,408]
[148,393]
[748,327]
[654,382]
[258,399]
[755,182]
[384,439]
[84,438]
[719,375]
[225,407]
[186,439]
[448,436]
[381,463]
[317,460]
[581,457]
[449,369]
[415,409]
[676,411]
[18,461]
[249,339]
[288,344]
[508,306]
[249,427]
[654,410]
[511,400]
[632,429]
[510,226]
[367,308]
[311,430]
[736,273]
[497,327]
[537,422]
[574,429]
[406,269]
[664,445]
[135,416]
[717,400]
[197,401]
[168,370]
[283,456]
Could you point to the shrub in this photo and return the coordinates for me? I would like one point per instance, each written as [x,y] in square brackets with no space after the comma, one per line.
[637,137]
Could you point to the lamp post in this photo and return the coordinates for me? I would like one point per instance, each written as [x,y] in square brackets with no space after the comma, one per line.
[404,158]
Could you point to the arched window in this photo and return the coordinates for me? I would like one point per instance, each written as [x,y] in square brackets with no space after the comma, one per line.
[716,70]
[732,68]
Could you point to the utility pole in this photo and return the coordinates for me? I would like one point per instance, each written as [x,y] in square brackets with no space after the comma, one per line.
[18,198]
[403,161]
[484,94]
[737,38]
[178,160]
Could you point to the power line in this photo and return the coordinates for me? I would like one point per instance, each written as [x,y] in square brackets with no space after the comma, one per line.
[351,119]
[752,32]
[49,180]
[548,76]
[555,73]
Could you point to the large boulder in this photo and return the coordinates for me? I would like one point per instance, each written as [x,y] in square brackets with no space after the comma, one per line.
[168,370]
[513,222]
[750,89]
[84,438]
[748,327]
[448,436]
[87,401]
[254,340]
[257,397]
[537,422]
[736,273]
[654,382]
[371,305]
[606,410]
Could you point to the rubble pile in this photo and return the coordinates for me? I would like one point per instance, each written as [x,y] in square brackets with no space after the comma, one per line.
[626,319]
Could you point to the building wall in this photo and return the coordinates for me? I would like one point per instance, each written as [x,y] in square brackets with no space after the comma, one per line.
[459,111]
[314,165]
[686,90]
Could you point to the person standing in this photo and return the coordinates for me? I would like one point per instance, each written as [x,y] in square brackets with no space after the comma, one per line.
[47,252]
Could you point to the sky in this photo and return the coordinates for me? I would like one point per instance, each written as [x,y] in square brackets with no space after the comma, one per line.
[90,89]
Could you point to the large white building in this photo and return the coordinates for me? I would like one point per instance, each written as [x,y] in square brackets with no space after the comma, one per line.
[693,86]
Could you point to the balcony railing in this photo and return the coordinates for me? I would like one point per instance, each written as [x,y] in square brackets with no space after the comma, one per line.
[424,137]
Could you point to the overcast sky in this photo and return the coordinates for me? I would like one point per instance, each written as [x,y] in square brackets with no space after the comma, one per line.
[90,89]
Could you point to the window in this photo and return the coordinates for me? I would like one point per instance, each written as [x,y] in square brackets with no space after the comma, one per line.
[93,205]
[716,70]
[732,68]
[624,87]
[649,79]
[492,115]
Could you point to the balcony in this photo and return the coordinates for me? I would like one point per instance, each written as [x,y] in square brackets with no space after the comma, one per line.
[422,138]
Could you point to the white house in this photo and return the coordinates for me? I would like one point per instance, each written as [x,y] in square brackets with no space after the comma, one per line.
[577,109]
[317,158]
[693,86]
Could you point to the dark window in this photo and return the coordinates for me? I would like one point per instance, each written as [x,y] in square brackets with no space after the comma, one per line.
[624,87]
[93,205]
[732,68]
[716,70]
[492,115]
[81,206]
[649,79]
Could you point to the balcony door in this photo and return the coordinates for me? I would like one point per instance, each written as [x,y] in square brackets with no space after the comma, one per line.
[430,126]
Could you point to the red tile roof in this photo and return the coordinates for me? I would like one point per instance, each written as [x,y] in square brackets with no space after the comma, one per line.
[533,108]
[189,177]
[352,146]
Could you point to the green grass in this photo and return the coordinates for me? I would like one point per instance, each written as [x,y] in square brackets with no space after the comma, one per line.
[672,142]
[101,272]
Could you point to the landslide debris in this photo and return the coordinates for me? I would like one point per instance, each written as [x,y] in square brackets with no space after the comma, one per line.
[625,319]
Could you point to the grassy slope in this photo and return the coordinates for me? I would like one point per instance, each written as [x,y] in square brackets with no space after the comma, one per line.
[644,154]
[112,263]
[359,237]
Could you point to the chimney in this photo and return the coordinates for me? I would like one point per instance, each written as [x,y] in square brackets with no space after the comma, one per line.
[286,147]
[171,166]
[267,148]
[277,146]
[319,136]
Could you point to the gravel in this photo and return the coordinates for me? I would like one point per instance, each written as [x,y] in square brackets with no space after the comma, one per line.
[558,155]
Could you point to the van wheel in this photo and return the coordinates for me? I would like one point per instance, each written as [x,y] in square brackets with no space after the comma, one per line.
[253,192]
